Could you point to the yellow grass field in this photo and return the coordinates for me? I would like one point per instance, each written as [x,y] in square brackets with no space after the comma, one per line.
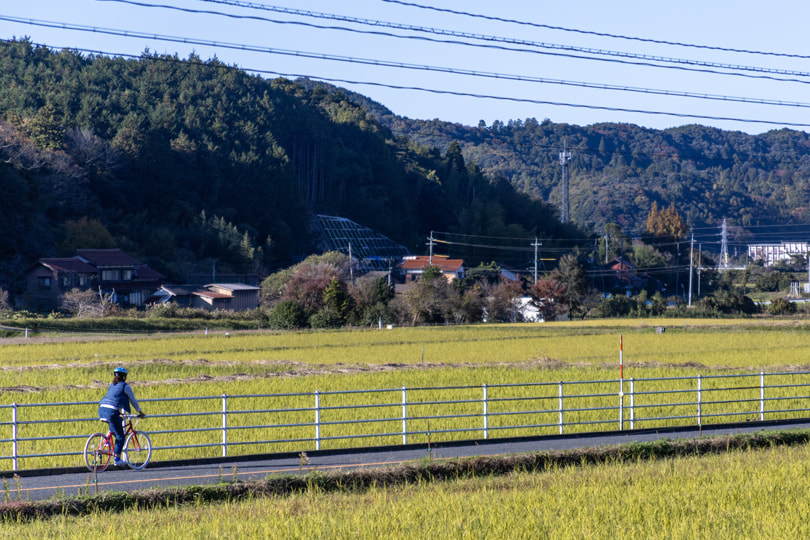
[756,494]
[77,370]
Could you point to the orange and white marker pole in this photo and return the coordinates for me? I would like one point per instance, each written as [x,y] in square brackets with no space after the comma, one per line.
[621,382]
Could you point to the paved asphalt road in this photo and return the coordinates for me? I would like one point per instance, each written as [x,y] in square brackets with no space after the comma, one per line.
[37,485]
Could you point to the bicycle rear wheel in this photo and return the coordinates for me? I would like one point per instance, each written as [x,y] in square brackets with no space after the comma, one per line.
[97,452]
[137,450]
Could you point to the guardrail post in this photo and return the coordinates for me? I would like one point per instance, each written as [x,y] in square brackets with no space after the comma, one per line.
[632,403]
[561,407]
[317,420]
[699,413]
[14,433]
[486,431]
[404,416]
[621,405]
[762,396]
[224,424]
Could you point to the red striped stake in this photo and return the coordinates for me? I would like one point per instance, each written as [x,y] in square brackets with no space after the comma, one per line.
[621,383]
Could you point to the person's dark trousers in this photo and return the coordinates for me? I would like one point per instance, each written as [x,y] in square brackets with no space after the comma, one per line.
[116,426]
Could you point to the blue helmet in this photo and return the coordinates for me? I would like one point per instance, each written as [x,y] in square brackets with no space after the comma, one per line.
[121,370]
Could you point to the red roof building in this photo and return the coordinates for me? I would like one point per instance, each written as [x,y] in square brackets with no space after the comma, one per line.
[413,267]
[626,273]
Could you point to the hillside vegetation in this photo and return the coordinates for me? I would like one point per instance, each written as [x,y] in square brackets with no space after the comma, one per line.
[186,164]
[181,162]
[618,170]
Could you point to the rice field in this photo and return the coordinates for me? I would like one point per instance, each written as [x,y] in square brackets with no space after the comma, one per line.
[754,494]
[284,370]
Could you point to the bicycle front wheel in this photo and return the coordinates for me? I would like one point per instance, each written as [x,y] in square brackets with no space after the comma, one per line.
[137,450]
[97,452]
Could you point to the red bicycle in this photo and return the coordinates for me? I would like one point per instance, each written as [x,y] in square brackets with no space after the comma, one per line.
[99,448]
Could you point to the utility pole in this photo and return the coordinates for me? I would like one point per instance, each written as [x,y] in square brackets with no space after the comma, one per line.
[430,244]
[351,264]
[565,157]
[691,266]
[678,270]
[536,245]
[700,258]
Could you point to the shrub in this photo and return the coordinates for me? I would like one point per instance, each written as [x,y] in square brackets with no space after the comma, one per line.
[780,306]
[616,306]
[769,282]
[83,303]
[4,305]
[326,318]
[286,315]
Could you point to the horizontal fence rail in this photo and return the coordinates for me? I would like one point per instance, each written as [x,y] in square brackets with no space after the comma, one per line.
[40,435]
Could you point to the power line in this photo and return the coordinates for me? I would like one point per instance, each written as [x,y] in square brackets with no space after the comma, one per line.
[562,82]
[320,56]
[646,59]
[585,243]
[600,34]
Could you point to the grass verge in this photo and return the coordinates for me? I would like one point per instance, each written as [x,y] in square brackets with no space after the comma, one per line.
[359,481]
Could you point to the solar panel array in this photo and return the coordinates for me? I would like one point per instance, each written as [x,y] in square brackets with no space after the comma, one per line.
[372,250]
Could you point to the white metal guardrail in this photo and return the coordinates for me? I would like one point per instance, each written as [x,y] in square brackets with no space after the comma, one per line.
[219,425]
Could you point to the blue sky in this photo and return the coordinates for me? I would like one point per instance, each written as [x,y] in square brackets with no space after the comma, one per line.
[775,27]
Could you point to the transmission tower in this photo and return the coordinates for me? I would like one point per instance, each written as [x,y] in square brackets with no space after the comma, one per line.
[565,157]
[724,245]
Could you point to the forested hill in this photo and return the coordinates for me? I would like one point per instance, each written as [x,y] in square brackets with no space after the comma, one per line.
[185,162]
[617,170]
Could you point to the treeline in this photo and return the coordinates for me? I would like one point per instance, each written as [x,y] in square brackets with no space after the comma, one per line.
[618,170]
[321,292]
[182,162]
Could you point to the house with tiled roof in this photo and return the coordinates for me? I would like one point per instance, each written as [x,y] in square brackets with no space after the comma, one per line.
[413,266]
[112,272]
[625,273]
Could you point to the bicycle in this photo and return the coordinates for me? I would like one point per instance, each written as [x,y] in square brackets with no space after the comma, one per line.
[99,448]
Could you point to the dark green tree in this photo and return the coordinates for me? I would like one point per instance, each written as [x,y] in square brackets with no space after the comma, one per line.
[570,274]
[46,129]
[85,233]
[337,299]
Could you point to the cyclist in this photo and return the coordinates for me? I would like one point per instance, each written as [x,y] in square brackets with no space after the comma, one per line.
[119,397]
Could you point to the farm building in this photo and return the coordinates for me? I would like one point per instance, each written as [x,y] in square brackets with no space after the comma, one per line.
[214,296]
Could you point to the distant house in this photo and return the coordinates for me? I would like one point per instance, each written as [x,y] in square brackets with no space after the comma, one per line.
[412,267]
[510,273]
[112,272]
[625,273]
[214,296]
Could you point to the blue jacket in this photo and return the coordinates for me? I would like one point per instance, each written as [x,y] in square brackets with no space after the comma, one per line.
[119,396]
